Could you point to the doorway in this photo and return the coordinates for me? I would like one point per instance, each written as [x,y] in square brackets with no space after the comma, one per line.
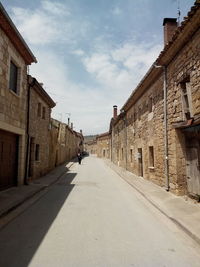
[140,162]
[193,165]
[8,159]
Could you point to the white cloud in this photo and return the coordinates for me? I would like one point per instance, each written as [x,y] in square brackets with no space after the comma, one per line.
[44,25]
[85,105]
[55,8]
[115,70]
[116,11]
[121,69]
[134,55]
[78,52]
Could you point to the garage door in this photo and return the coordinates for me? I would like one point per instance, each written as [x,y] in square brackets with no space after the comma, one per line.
[8,159]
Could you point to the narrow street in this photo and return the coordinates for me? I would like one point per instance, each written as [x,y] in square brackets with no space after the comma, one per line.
[91,217]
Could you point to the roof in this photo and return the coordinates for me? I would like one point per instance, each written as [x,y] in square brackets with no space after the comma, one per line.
[39,89]
[15,37]
[169,20]
[93,142]
[78,134]
[183,33]
[103,135]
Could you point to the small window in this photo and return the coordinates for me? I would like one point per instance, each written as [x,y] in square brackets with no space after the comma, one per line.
[131,155]
[186,100]
[43,112]
[139,113]
[122,155]
[117,154]
[150,104]
[37,152]
[39,110]
[151,156]
[13,77]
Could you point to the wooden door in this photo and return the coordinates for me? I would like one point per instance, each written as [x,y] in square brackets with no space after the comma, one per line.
[8,159]
[140,162]
[193,165]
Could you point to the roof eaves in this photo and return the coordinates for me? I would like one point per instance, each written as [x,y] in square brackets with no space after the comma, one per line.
[159,61]
[30,58]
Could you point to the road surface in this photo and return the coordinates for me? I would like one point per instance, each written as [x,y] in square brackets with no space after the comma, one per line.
[92,217]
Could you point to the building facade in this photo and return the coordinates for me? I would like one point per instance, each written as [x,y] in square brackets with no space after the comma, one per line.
[38,127]
[64,143]
[91,147]
[103,145]
[15,56]
[157,133]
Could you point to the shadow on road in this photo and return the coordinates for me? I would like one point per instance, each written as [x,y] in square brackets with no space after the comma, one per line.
[21,238]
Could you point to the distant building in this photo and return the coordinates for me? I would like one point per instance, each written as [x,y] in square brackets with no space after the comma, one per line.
[103,145]
[91,147]
[39,119]
[64,143]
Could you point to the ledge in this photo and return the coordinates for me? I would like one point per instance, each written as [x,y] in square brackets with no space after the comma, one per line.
[151,168]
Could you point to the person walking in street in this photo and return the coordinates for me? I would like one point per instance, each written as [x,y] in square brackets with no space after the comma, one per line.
[79,157]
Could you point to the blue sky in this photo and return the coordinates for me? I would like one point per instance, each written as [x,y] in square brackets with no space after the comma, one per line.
[92,53]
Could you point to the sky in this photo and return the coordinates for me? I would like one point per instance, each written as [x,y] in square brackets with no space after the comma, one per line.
[92,53]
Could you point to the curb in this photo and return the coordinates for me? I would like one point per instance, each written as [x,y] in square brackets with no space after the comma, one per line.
[6,212]
[175,221]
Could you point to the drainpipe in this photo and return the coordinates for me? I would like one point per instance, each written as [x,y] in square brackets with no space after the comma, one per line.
[165,129]
[165,126]
[126,141]
[27,132]
[111,146]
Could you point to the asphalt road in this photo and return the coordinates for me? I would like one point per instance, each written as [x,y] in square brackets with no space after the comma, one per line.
[92,217]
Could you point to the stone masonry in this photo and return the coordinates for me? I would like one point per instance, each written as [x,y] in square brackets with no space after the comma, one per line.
[157,135]
[13,104]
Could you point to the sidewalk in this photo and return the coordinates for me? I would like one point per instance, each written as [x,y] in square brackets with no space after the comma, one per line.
[185,213]
[13,197]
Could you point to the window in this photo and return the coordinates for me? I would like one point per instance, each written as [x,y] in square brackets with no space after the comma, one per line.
[37,152]
[151,156]
[131,155]
[43,112]
[186,100]
[139,113]
[13,77]
[39,110]
[150,104]
[122,155]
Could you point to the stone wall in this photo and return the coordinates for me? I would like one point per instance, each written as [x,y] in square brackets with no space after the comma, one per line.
[137,133]
[64,143]
[13,106]
[103,146]
[91,147]
[39,130]
[185,66]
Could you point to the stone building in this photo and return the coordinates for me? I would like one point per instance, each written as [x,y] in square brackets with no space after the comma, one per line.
[103,145]
[15,56]
[38,127]
[64,143]
[157,133]
[91,147]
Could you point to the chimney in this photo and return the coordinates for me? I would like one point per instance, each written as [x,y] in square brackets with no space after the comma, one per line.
[68,121]
[170,25]
[81,132]
[114,112]
[71,125]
